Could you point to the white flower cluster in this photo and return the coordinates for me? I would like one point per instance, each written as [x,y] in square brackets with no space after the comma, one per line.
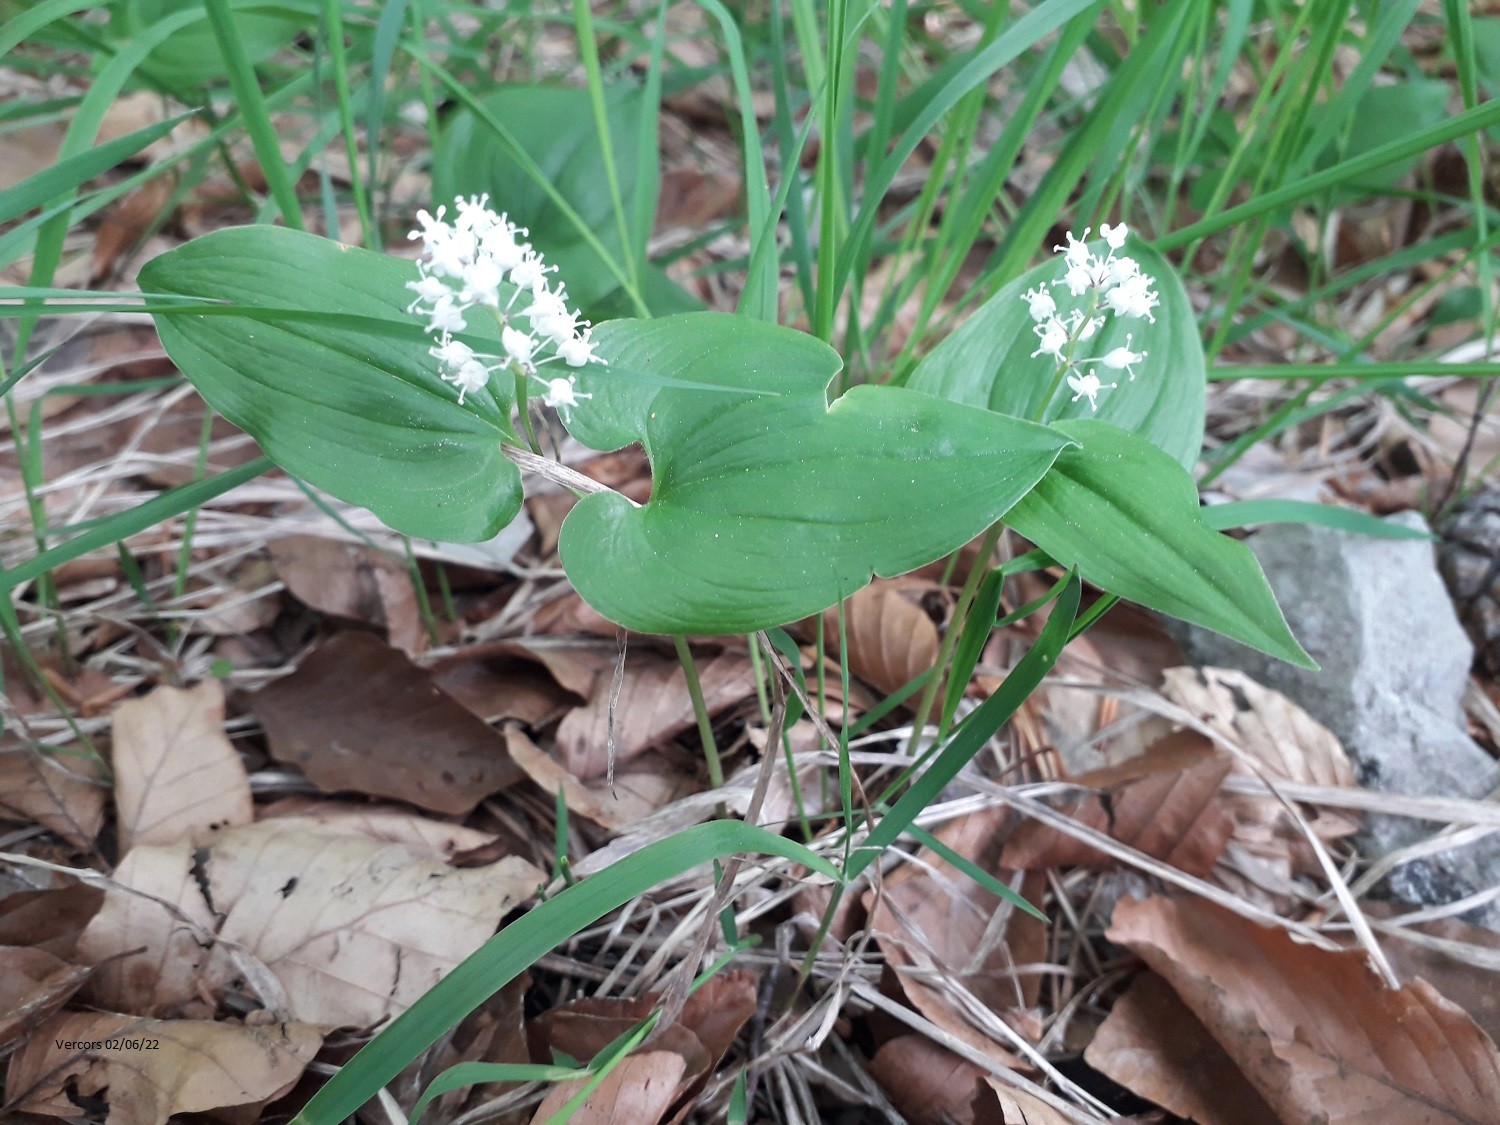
[1117,286]
[464,263]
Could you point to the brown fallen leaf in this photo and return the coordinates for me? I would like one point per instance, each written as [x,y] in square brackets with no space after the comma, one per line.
[653,706]
[358,716]
[603,810]
[1436,952]
[352,581]
[710,1021]
[50,920]
[147,1070]
[638,1091]
[1315,1031]
[1285,741]
[927,1084]
[61,791]
[175,771]
[891,639]
[33,984]
[1000,1104]
[939,929]
[1164,802]
[1155,1047]
[353,928]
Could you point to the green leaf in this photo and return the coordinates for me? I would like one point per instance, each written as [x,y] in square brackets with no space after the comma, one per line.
[773,506]
[1250,513]
[362,416]
[988,361]
[506,955]
[552,152]
[1127,516]
[191,56]
[49,183]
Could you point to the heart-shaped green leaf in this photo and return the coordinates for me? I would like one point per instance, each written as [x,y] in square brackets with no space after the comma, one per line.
[771,505]
[1127,516]
[360,414]
[987,361]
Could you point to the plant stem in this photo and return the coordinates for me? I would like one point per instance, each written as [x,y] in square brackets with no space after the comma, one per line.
[700,709]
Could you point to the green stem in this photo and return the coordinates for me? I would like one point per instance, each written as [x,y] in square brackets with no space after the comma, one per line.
[950,638]
[700,709]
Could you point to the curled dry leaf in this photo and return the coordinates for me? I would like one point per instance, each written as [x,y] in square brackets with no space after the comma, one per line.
[891,638]
[1164,803]
[192,1066]
[708,1025]
[353,928]
[1315,1031]
[33,985]
[358,716]
[352,581]
[1285,741]
[1154,1046]
[603,808]
[50,920]
[653,706]
[175,772]
[1000,1104]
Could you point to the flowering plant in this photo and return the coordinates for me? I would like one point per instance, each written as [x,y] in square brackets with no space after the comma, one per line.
[769,502]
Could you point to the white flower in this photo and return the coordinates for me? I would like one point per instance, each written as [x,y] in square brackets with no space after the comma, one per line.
[433,229]
[474,214]
[518,345]
[578,351]
[501,244]
[429,291]
[1054,335]
[1088,331]
[1088,386]
[446,315]
[561,395]
[1121,270]
[469,376]
[1115,235]
[481,282]
[1133,297]
[1123,359]
[528,271]
[451,352]
[1076,252]
[1039,303]
[451,255]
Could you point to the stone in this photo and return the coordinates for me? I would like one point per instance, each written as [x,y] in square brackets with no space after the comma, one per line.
[1394,660]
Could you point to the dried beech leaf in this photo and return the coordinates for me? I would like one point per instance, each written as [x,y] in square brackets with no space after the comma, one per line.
[175,772]
[653,706]
[33,984]
[1287,742]
[358,716]
[49,920]
[932,918]
[353,928]
[62,792]
[1164,803]
[1473,988]
[639,1091]
[1154,1046]
[1000,1104]
[550,777]
[1316,1032]
[891,639]
[194,1066]
[927,1084]
[352,581]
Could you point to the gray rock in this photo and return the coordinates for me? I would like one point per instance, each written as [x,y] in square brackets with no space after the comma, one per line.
[1375,615]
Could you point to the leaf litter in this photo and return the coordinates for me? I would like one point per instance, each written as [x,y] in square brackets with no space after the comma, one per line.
[187,877]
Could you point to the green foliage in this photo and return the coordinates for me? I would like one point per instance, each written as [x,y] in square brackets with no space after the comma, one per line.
[1127,516]
[987,361]
[363,416]
[771,506]
[191,57]
[535,151]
